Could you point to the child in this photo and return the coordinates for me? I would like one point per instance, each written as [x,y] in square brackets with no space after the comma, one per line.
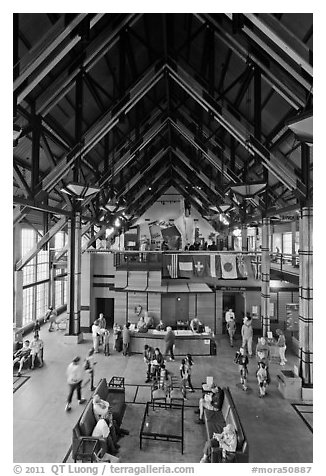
[106,335]
[262,378]
[184,378]
[242,360]
[189,364]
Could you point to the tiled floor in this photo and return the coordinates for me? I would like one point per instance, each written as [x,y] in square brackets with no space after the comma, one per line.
[275,431]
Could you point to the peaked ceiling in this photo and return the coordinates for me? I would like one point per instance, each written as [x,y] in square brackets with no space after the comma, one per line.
[122,102]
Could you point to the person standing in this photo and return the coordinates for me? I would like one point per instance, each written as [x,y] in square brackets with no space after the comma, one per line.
[148,358]
[242,360]
[37,350]
[89,366]
[106,336]
[281,344]
[117,333]
[189,364]
[231,326]
[160,326]
[102,325]
[262,378]
[169,343]
[126,338]
[157,363]
[53,318]
[247,333]
[74,379]
[95,335]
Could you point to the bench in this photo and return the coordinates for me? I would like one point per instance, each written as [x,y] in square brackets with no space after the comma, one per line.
[216,421]
[114,393]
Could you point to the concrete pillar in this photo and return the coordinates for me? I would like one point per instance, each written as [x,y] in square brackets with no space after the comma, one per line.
[265,277]
[74,276]
[305,295]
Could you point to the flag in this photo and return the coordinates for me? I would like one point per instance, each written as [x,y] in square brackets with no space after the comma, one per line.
[218,269]
[212,265]
[201,265]
[249,267]
[170,263]
[256,264]
[229,266]
[241,267]
[185,266]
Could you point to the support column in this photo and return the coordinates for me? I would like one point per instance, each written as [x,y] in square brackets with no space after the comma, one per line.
[265,277]
[294,231]
[244,237]
[18,279]
[305,296]
[74,277]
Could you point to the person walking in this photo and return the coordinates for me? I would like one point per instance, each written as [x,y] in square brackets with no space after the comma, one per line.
[281,344]
[126,338]
[102,325]
[52,318]
[169,343]
[74,379]
[184,378]
[242,360]
[89,366]
[231,326]
[189,364]
[247,333]
[96,335]
[262,378]
[157,363]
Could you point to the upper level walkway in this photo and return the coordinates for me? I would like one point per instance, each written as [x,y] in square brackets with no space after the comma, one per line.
[219,265]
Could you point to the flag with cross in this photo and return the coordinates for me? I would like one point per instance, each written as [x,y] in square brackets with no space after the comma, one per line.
[201,265]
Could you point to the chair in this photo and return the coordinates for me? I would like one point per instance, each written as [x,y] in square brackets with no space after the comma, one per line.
[158,391]
[176,394]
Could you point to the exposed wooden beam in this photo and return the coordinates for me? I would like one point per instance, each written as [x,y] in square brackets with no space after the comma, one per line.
[39,245]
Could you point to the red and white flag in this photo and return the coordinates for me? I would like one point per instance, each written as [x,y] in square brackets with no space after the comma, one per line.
[185,266]
[201,265]
[229,266]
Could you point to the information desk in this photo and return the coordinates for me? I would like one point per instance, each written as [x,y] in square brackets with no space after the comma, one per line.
[186,342]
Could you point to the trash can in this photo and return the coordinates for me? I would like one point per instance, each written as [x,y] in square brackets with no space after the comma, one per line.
[289,385]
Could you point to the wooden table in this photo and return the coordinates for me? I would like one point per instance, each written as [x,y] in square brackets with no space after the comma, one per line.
[165,423]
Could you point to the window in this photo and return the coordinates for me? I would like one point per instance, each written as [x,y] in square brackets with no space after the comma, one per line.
[27,305]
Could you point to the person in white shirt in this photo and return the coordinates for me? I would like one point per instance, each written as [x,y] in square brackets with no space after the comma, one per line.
[229,315]
[74,379]
[102,430]
[36,347]
[96,330]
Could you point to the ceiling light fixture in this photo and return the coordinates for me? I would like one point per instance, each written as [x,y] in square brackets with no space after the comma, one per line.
[248,190]
[79,191]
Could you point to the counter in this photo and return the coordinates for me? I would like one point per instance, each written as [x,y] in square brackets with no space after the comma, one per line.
[186,342]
